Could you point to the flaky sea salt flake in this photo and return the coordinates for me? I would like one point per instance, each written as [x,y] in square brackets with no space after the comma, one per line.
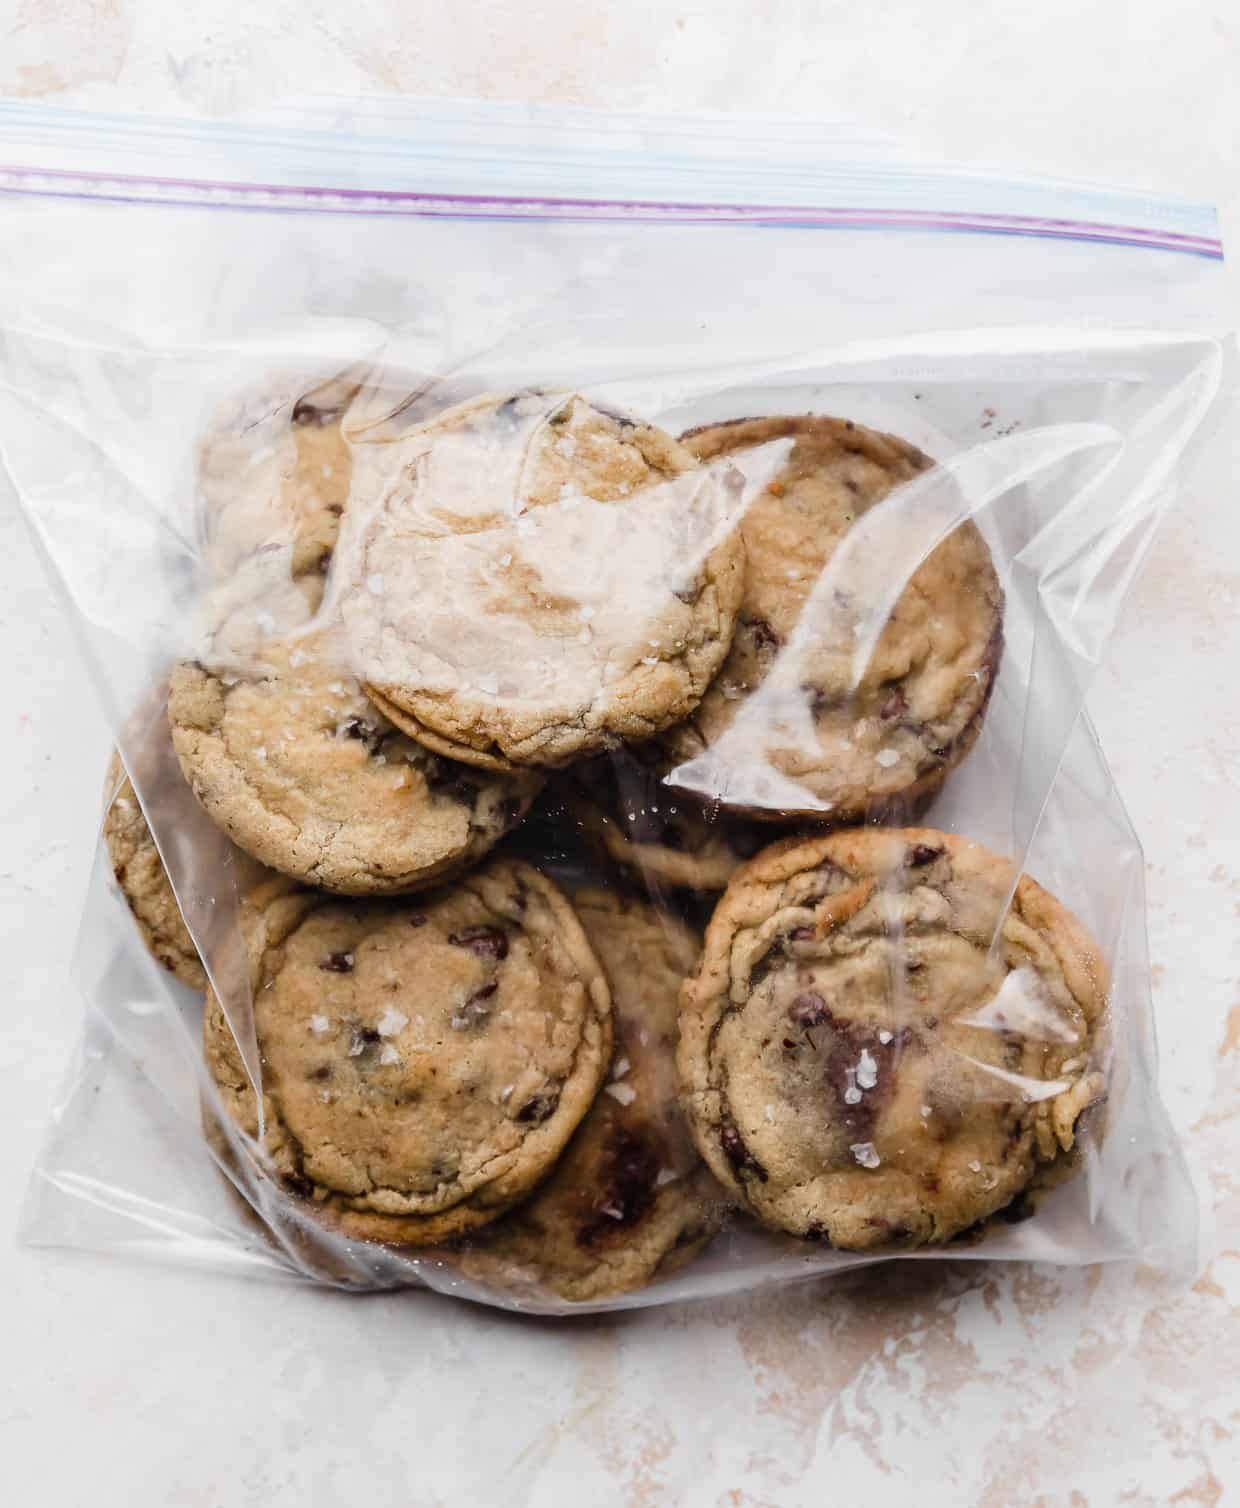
[392,1021]
[867,1069]
[886,758]
[625,1093]
[389,1054]
[865,1153]
[319,1025]
[884,1037]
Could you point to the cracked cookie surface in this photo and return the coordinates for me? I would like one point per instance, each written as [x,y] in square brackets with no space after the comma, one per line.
[790,724]
[424,1062]
[630,1197]
[144,883]
[535,580]
[859,1066]
[287,754]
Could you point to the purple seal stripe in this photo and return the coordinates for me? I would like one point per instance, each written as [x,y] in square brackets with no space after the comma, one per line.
[141,189]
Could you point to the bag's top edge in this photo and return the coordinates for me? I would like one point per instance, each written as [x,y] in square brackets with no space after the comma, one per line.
[464,159]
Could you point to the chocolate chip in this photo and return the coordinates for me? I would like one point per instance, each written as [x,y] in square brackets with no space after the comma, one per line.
[323,1071]
[475,1010]
[790,1045]
[364,732]
[809,1009]
[448,781]
[1021,1208]
[921,854]
[764,636]
[894,703]
[628,1179]
[539,1108]
[509,810]
[739,1155]
[299,1184]
[802,934]
[482,942]
[337,963]
[817,1232]
[418,920]
[360,1038]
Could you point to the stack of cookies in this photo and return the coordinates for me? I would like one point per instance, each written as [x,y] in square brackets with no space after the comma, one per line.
[579,764]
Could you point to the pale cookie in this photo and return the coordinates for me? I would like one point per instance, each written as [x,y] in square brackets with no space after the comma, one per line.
[794,723]
[532,580]
[287,755]
[629,1200]
[144,883]
[858,1065]
[424,1062]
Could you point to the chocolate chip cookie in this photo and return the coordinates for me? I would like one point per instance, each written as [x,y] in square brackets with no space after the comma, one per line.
[537,580]
[290,758]
[630,1198]
[424,1061]
[877,1049]
[144,883]
[852,686]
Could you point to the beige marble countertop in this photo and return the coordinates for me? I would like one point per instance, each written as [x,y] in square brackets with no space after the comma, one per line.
[967,1384]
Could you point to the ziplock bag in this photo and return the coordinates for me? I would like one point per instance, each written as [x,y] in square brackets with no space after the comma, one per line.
[506,309]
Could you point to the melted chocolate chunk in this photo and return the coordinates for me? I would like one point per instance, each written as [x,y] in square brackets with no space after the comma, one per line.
[848,1042]
[482,942]
[921,854]
[765,639]
[418,920]
[299,1184]
[802,934]
[630,1168]
[337,963]
[739,1155]
[539,1108]
[475,1010]
[809,1009]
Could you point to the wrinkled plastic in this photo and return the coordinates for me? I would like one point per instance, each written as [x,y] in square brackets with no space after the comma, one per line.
[1056,369]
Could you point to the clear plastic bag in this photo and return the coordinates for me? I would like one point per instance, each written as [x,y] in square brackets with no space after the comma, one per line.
[169,295]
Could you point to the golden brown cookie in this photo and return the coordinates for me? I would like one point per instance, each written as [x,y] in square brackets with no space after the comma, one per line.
[793,723]
[630,1198]
[144,883]
[533,580]
[859,1065]
[291,759]
[424,1061]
